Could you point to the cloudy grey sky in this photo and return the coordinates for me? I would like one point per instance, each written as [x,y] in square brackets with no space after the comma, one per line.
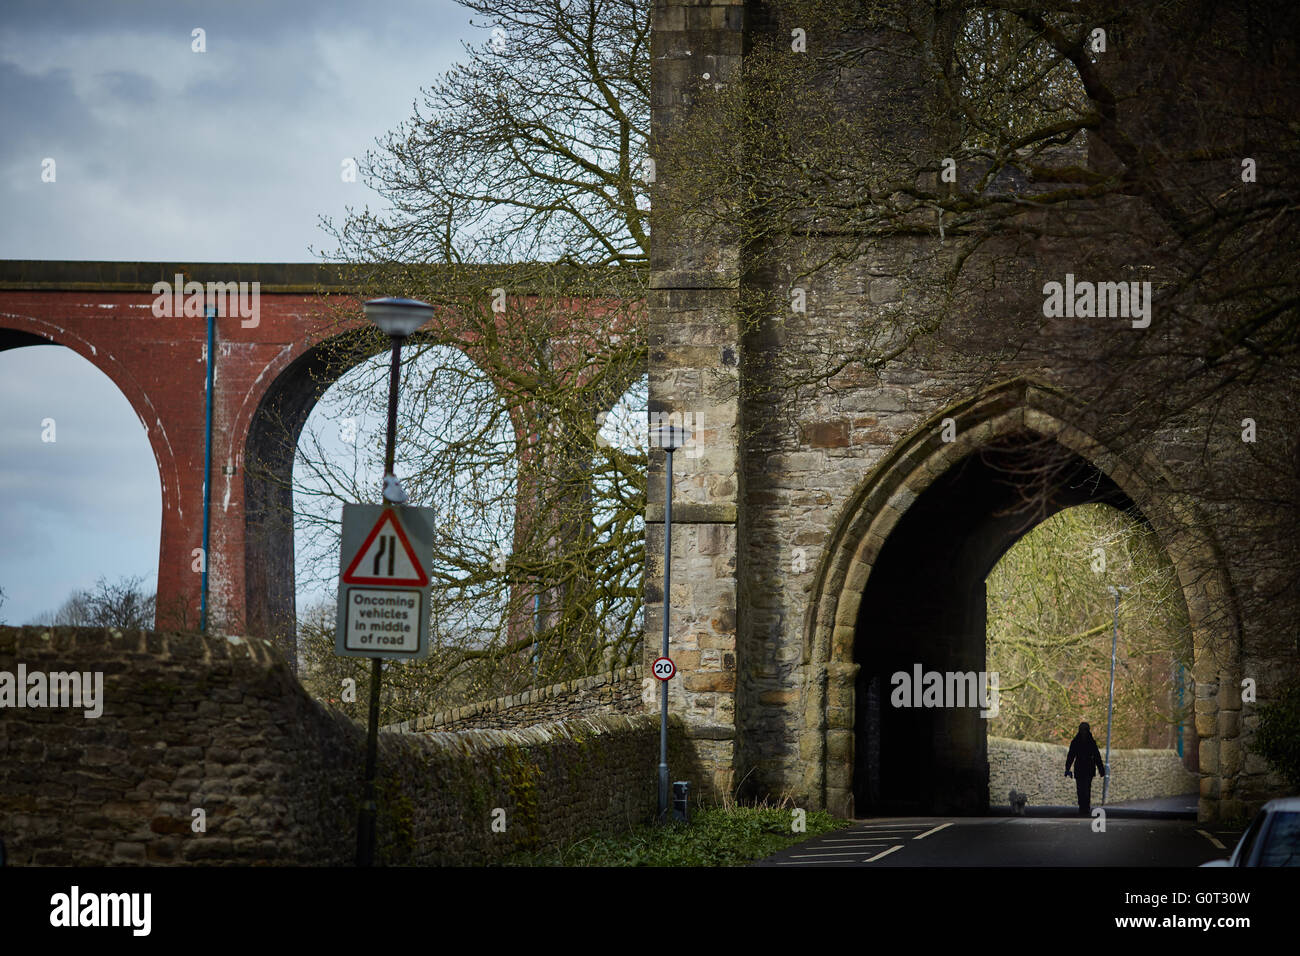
[163,153]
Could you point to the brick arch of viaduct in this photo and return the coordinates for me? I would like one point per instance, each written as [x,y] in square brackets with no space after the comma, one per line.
[19,330]
[1013,408]
[272,419]
[268,377]
[102,311]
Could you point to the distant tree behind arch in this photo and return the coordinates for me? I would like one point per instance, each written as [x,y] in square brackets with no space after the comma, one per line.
[1050,625]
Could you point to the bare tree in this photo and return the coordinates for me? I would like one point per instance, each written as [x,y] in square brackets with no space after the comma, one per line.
[517,205]
[531,150]
[120,604]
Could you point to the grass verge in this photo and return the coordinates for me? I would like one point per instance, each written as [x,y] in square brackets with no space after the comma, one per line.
[716,836]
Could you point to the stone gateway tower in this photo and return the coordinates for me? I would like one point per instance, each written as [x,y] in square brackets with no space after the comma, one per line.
[856,239]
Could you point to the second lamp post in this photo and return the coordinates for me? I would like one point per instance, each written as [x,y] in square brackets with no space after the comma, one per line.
[670,438]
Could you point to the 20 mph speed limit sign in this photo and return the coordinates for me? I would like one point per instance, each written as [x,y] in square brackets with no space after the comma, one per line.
[663,668]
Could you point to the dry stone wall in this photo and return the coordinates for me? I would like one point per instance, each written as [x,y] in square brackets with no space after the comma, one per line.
[1038,771]
[618,692]
[208,751]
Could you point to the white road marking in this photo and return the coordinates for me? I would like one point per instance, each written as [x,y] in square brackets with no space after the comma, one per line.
[1212,839]
[809,856]
[808,863]
[935,830]
[886,853]
[890,826]
[874,835]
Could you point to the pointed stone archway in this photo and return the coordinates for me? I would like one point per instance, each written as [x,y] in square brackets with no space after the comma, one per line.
[998,418]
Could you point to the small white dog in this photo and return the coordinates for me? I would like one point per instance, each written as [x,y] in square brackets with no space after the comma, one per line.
[1018,801]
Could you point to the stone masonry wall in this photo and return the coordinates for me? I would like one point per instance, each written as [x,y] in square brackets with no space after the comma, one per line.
[1038,770]
[618,692]
[695,345]
[782,504]
[220,725]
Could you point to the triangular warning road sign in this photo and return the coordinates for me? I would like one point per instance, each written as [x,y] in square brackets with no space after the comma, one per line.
[380,559]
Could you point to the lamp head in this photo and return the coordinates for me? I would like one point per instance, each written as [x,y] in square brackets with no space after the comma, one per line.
[670,437]
[398,317]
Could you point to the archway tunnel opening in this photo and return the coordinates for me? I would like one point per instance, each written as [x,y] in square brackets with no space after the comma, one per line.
[922,704]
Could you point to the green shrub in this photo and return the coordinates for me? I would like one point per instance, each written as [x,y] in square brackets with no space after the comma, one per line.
[1278,737]
[714,837]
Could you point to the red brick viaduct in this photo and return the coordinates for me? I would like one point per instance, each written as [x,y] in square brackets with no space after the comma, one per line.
[269,375]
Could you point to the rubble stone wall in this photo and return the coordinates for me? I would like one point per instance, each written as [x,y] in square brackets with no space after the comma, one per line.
[207,750]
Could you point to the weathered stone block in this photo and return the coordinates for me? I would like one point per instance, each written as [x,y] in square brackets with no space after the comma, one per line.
[711,681]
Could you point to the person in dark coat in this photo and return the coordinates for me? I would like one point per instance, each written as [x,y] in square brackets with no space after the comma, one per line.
[1085,756]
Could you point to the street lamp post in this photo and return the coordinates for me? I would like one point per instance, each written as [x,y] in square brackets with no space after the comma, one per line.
[1110,704]
[671,437]
[398,318]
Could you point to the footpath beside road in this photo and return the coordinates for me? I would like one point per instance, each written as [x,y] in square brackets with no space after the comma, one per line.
[1182,807]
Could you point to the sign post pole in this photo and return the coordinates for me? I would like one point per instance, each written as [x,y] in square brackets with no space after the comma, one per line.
[1110,703]
[399,318]
[663,684]
[671,438]
[366,825]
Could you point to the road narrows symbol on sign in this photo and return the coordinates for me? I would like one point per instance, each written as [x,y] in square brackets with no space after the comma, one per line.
[663,668]
[386,557]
